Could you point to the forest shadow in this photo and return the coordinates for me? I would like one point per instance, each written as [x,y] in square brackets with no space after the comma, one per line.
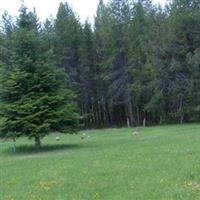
[31,149]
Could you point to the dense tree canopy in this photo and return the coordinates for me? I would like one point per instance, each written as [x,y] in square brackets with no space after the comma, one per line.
[138,63]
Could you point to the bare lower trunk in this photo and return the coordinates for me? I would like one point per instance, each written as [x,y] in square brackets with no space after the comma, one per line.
[130,109]
[128,122]
[138,116]
[181,119]
[144,122]
[182,112]
[161,120]
[131,114]
[37,141]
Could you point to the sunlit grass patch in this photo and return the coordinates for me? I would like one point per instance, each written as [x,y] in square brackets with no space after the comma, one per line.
[112,164]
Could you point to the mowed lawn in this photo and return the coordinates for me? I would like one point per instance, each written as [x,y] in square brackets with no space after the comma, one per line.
[161,163]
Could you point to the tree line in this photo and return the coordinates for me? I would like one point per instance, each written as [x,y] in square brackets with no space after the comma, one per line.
[138,63]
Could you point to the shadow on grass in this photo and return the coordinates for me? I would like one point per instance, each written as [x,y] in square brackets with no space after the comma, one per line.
[30,149]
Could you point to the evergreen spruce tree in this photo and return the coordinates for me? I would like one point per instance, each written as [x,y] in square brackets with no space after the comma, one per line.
[67,44]
[104,47]
[119,70]
[35,99]
[87,76]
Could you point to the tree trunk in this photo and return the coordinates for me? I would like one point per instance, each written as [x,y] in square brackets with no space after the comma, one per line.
[130,109]
[110,108]
[131,114]
[181,111]
[128,122]
[161,120]
[138,116]
[37,141]
[144,122]
[181,118]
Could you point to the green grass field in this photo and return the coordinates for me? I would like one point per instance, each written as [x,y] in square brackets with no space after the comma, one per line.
[161,163]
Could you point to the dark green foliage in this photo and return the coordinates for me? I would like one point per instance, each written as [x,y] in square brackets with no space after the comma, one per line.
[67,41]
[138,63]
[35,98]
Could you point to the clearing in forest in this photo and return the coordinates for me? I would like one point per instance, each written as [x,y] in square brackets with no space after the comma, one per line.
[160,163]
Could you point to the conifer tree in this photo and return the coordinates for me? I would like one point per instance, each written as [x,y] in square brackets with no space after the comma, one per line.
[67,44]
[35,99]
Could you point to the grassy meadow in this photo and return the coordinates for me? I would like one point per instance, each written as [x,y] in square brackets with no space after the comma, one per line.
[161,163]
